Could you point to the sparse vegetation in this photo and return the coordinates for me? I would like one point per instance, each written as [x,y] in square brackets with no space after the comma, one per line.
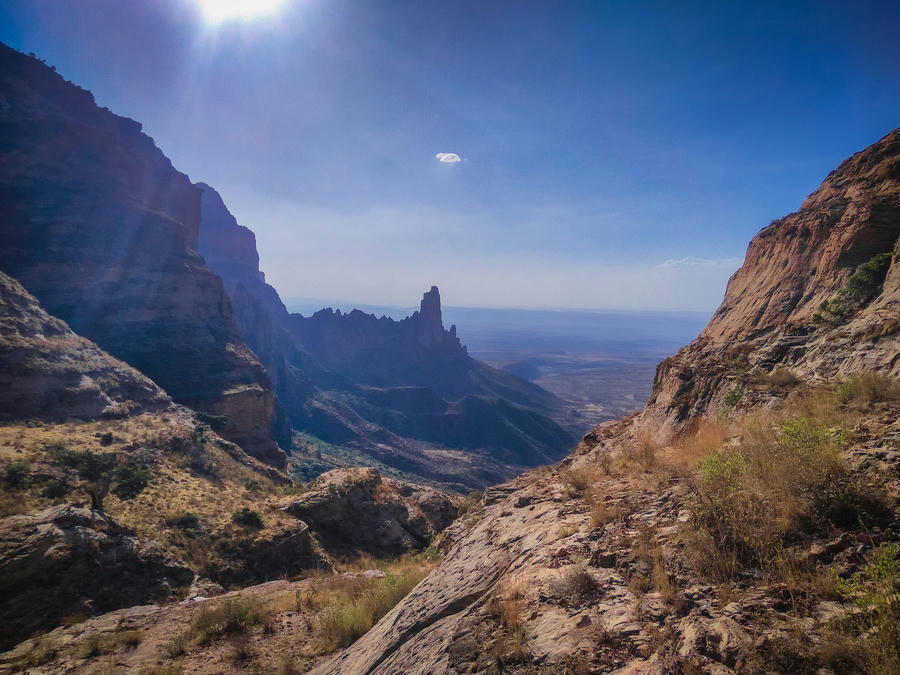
[247,517]
[231,616]
[868,640]
[215,422]
[775,480]
[575,584]
[16,473]
[863,285]
[467,503]
[95,473]
[780,377]
[581,477]
[348,606]
[863,391]
[43,651]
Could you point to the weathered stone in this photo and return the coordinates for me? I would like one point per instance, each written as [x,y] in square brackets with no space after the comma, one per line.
[46,371]
[356,509]
[65,560]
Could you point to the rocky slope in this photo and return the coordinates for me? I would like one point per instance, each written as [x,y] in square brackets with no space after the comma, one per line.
[404,393]
[64,560]
[47,371]
[102,229]
[749,543]
[840,249]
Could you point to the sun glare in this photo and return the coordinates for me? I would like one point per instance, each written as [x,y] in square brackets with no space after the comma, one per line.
[217,11]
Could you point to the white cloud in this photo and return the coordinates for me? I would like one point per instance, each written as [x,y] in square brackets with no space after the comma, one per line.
[448,158]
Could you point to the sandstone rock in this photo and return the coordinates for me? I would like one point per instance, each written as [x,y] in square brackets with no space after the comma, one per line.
[64,560]
[269,556]
[49,372]
[766,318]
[356,509]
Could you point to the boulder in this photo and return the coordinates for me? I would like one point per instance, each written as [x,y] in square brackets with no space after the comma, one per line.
[66,560]
[356,509]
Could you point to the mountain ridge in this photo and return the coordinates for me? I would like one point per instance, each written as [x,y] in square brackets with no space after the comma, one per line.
[391,390]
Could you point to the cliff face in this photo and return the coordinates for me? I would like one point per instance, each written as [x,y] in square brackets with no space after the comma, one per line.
[391,389]
[46,371]
[102,229]
[838,249]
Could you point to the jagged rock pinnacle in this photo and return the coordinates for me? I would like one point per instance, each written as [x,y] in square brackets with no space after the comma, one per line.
[431,326]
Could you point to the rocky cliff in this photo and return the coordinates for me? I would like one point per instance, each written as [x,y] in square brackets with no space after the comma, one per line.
[46,371]
[400,392]
[100,227]
[818,294]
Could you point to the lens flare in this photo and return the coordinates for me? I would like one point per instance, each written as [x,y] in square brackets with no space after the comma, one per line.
[217,11]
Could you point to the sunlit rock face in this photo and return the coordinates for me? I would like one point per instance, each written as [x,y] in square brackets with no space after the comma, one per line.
[100,227]
[768,317]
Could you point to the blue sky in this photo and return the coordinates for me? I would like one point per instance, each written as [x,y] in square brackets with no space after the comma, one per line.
[613,154]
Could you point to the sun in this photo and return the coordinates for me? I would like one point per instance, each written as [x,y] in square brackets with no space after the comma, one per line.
[217,11]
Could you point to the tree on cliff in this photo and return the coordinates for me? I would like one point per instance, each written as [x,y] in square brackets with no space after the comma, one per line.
[97,473]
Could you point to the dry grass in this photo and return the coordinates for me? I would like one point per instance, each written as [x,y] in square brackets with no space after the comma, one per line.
[779,377]
[575,584]
[602,512]
[864,391]
[347,606]
[582,477]
[782,473]
[174,447]
[567,530]
[232,616]
[649,551]
[643,450]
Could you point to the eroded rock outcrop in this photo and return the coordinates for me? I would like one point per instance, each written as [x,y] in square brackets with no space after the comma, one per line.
[66,560]
[47,371]
[102,229]
[357,509]
[773,315]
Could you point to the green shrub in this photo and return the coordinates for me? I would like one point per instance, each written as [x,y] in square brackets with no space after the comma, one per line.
[869,639]
[16,473]
[868,277]
[54,489]
[131,479]
[247,517]
[184,521]
[859,289]
[215,422]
